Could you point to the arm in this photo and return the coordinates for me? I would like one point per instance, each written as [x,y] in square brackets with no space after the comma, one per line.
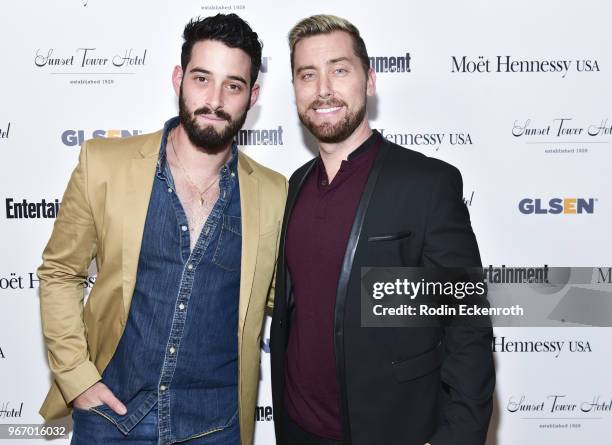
[467,371]
[270,300]
[66,260]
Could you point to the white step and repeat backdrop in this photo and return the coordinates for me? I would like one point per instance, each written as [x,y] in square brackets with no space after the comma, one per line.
[517,95]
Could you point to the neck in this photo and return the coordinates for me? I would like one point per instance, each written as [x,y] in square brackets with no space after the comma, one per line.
[195,158]
[332,154]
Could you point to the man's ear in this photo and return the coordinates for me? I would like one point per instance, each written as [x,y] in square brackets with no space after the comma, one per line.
[371,82]
[177,79]
[254,95]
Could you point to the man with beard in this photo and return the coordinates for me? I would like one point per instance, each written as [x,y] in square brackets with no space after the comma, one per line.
[367,202]
[184,231]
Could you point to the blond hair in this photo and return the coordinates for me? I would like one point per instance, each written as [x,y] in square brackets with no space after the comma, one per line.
[326,24]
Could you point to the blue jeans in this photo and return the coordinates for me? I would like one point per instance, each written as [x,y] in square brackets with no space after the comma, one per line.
[91,428]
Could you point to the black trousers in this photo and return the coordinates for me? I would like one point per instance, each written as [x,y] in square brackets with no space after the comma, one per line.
[297,436]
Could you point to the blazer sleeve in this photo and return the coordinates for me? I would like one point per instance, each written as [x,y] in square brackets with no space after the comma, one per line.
[65,265]
[467,372]
[271,292]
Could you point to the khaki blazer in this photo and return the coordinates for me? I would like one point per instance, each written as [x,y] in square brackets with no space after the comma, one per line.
[102,217]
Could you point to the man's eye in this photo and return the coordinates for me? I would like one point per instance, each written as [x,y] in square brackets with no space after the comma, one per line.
[341,71]
[234,87]
[307,76]
[201,79]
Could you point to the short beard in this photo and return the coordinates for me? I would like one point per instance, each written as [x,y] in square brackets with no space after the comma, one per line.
[208,139]
[333,134]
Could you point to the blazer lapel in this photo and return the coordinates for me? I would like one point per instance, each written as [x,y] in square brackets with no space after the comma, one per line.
[139,184]
[249,209]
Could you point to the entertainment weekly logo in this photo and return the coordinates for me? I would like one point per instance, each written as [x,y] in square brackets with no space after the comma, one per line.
[513,65]
[91,65]
[391,63]
[264,413]
[16,208]
[434,140]
[564,135]
[261,136]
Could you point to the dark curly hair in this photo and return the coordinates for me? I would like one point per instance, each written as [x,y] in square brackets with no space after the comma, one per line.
[228,29]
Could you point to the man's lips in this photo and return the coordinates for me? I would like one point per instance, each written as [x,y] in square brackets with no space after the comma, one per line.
[211,117]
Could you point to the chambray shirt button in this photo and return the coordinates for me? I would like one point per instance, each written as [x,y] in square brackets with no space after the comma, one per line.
[233,174]
[169,190]
[190,266]
[162,388]
[184,228]
[172,350]
[181,306]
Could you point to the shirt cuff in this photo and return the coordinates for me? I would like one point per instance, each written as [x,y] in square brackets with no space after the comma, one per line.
[74,382]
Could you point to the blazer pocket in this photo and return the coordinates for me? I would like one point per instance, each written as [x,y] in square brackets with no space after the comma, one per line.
[415,367]
[390,237]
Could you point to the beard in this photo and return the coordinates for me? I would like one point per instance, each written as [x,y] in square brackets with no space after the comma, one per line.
[208,138]
[334,133]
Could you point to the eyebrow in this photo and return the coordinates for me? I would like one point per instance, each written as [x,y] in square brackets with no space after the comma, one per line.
[233,77]
[329,62]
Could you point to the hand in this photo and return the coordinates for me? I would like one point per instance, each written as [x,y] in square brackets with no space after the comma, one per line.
[99,394]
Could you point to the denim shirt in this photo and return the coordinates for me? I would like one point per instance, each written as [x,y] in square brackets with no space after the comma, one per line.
[179,350]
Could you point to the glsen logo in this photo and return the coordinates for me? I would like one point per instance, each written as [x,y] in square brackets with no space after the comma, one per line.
[556,206]
[4,134]
[508,64]
[73,138]
[556,347]
[25,209]
[264,414]
[391,64]
[273,136]
[9,410]
[434,140]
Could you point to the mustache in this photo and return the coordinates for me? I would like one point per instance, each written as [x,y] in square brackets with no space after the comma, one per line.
[218,113]
[327,103]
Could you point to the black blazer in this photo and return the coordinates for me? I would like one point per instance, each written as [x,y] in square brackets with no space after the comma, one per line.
[403,386]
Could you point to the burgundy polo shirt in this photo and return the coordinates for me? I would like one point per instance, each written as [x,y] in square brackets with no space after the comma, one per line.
[317,235]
